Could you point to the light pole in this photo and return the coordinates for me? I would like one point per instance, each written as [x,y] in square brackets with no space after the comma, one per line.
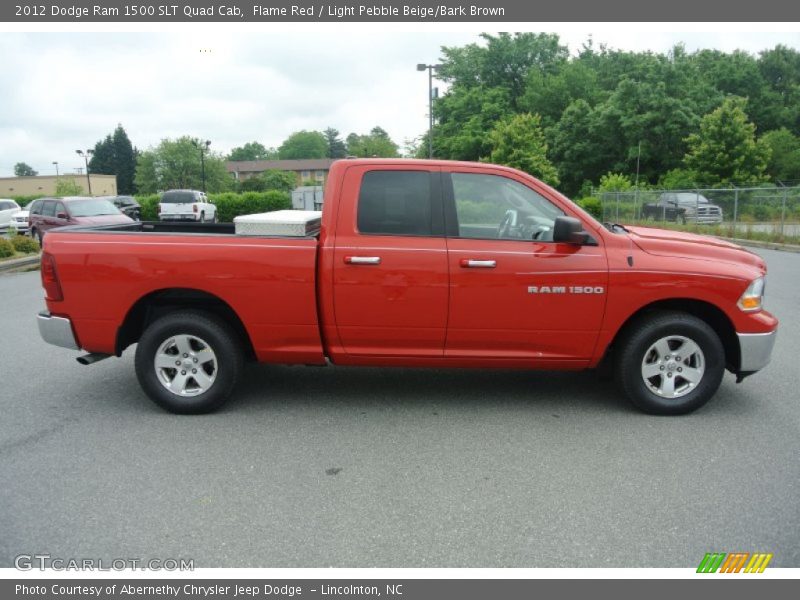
[430,68]
[55,162]
[86,156]
[203,148]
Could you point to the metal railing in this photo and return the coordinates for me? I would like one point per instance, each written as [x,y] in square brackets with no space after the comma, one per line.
[768,209]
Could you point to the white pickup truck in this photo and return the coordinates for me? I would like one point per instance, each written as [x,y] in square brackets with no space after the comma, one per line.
[186,205]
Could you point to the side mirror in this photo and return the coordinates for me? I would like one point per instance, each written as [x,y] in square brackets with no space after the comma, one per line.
[569,230]
[62,215]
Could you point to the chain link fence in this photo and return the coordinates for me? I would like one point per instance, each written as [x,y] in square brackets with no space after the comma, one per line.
[754,212]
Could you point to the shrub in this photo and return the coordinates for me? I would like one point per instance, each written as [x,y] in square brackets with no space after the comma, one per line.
[592,205]
[68,187]
[24,244]
[615,182]
[230,205]
[6,248]
[23,201]
[149,206]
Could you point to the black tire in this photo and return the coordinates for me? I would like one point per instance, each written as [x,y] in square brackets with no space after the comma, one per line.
[39,235]
[202,217]
[634,347]
[217,335]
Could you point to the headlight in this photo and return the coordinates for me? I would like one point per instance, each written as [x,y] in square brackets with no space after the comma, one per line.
[752,297]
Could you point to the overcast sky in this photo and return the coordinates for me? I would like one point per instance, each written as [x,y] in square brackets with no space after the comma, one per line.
[63,91]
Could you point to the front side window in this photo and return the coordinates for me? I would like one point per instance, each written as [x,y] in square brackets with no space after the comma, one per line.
[395,203]
[495,207]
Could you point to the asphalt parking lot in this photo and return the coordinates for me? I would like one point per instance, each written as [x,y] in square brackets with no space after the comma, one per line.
[313,467]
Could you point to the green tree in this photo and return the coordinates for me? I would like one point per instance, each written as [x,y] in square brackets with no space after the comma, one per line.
[283,181]
[336,147]
[253,151]
[115,155]
[615,182]
[22,169]
[503,62]
[303,144]
[519,142]
[784,163]
[577,146]
[678,179]
[68,187]
[376,143]
[175,164]
[725,149]
[465,119]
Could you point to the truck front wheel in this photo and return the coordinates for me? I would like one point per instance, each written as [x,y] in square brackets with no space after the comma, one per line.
[670,363]
[188,362]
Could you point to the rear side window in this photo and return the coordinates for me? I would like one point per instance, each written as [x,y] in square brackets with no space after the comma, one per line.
[49,208]
[35,207]
[396,203]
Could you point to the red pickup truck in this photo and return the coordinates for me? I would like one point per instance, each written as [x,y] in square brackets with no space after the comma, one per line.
[417,264]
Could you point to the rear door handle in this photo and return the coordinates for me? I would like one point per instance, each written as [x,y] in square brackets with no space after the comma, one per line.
[470,263]
[362,260]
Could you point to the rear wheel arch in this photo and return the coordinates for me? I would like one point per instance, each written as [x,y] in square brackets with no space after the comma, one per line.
[158,303]
[714,316]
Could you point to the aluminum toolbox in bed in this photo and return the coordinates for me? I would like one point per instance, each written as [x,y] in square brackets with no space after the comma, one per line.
[293,223]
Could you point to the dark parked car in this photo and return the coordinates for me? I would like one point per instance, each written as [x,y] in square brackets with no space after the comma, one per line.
[128,205]
[48,213]
[682,207]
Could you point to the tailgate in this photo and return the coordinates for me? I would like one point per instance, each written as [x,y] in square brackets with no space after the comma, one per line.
[176,209]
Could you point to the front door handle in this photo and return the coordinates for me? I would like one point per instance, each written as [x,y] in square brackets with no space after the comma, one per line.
[470,263]
[362,260]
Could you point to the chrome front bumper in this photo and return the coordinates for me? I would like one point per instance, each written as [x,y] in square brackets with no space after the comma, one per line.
[56,331]
[756,350]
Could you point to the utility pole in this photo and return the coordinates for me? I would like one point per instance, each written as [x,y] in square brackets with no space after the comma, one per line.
[430,68]
[86,156]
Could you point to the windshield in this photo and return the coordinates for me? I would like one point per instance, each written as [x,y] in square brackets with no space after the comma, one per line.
[92,208]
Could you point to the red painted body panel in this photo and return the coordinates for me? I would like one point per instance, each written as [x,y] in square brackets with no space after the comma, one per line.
[269,283]
[301,301]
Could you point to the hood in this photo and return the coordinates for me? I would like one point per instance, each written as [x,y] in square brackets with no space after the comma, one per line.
[103,220]
[20,213]
[664,242]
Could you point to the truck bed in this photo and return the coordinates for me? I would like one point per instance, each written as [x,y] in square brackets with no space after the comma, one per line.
[268,282]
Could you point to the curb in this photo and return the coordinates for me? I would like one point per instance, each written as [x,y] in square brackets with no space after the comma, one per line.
[764,245]
[18,263]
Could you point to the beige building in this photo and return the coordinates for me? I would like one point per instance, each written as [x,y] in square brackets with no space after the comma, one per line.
[309,169]
[45,185]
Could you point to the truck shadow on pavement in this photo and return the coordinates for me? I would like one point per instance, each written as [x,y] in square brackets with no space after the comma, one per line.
[267,385]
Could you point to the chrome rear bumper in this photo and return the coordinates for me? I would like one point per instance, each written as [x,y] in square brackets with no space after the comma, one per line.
[56,331]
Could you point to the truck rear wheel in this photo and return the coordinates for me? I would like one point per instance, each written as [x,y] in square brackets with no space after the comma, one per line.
[189,362]
[670,363]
